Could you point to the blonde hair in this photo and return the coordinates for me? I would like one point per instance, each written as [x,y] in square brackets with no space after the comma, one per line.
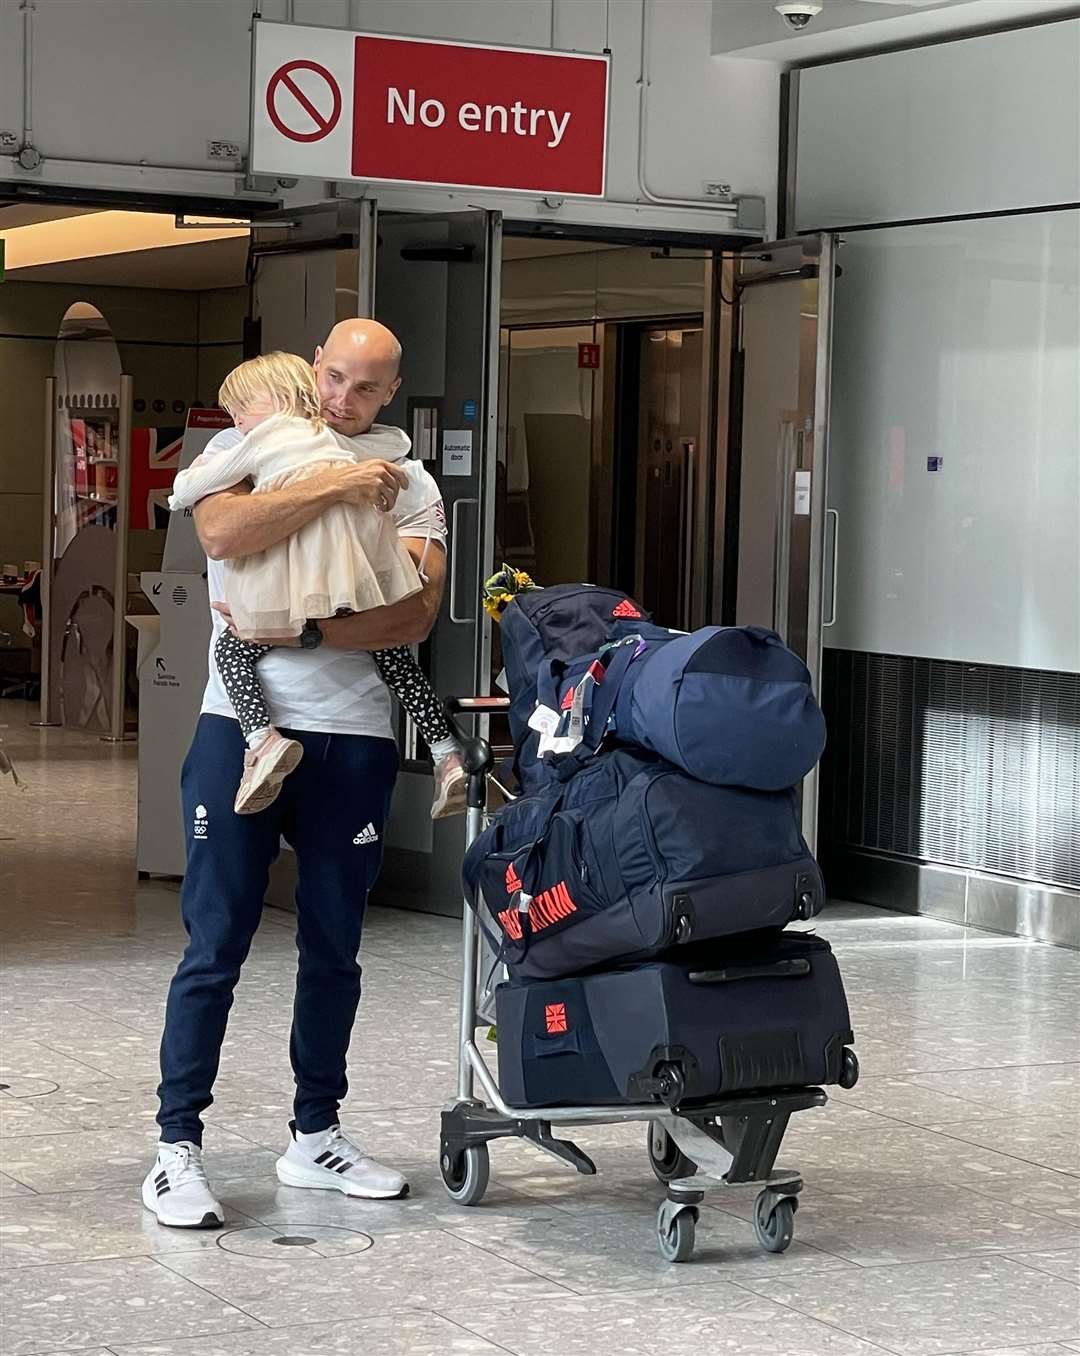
[288,380]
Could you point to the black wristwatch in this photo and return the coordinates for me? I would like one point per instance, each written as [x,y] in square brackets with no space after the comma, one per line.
[311,637]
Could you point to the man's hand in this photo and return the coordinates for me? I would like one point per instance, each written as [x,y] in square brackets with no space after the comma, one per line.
[288,643]
[405,623]
[373,483]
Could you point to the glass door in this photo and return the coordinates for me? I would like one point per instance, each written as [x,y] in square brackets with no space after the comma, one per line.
[776,569]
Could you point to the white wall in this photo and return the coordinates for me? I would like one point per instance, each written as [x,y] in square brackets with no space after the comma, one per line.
[122,81]
[982,125]
[959,341]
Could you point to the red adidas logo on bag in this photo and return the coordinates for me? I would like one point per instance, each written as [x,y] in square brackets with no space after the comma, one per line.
[513,880]
[568,699]
[552,907]
[627,609]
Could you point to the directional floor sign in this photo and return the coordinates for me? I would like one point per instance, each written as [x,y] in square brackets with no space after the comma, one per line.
[333,104]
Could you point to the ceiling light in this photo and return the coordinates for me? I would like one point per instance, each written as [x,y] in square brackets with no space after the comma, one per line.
[92,235]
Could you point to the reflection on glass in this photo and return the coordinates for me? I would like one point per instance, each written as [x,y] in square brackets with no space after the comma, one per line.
[87,430]
[543,473]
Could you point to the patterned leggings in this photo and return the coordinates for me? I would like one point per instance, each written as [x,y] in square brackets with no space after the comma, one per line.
[236,661]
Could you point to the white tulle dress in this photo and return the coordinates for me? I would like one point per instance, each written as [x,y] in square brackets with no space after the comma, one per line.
[349,558]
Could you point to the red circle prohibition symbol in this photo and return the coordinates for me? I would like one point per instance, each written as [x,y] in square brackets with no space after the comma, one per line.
[282,78]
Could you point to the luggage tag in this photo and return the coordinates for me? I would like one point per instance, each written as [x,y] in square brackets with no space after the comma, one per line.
[545,720]
[556,744]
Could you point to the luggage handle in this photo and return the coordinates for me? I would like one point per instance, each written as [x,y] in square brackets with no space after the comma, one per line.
[566,1043]
[785,969]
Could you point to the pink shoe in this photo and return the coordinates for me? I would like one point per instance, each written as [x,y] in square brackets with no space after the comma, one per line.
[265,768]
[450,783]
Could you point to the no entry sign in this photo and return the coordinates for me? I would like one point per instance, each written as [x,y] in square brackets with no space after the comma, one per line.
[299,114]
[333,104]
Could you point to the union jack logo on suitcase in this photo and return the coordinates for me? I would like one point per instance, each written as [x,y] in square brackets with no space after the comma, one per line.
[555,1017]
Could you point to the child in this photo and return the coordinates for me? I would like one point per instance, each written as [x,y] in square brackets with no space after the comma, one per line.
[348,559]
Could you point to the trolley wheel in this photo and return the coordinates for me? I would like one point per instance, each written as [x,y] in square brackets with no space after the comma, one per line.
[775,1230]
[466,1176]
[676,1240]
[849,1069]
[666,1159]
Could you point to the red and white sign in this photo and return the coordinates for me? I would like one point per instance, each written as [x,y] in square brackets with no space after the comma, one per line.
[588,356]
[294,113]
[331,104]
[182,549]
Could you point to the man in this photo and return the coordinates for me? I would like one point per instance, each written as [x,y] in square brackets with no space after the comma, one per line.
[325,693]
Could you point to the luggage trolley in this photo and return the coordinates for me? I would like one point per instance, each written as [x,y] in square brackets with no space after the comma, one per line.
[730,1141]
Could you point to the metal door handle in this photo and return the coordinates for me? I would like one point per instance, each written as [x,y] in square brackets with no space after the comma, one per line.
[785,478]
[454,522]
[686,591]
[835,515]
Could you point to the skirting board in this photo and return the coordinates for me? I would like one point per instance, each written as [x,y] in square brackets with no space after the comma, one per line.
[1018,908]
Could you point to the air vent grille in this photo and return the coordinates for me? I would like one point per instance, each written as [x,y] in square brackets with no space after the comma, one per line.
[970,765]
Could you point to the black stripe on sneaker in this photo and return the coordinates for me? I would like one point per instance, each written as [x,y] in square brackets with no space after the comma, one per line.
[323,1157]
[164,1190]
[344,1167]
[161,1177]
[333,1163]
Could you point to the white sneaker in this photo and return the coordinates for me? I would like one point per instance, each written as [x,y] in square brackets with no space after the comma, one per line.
[330,1161]
[176,1189]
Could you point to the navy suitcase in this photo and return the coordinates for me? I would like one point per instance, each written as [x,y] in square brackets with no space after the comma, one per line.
[756,1013]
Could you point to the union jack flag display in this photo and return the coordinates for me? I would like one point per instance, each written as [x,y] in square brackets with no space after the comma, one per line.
[155,460]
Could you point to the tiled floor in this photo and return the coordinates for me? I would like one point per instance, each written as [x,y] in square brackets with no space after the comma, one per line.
[941,1213]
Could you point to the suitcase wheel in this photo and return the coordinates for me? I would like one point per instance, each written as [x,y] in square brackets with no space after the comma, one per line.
[670,1085]
[676,1240]
[465,1175]
[666,1159]
[774,1229]
[849,1069]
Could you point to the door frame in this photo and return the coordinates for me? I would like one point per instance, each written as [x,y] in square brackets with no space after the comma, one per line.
[804,569]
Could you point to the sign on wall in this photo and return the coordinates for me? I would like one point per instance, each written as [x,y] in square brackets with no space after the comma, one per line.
[333,104]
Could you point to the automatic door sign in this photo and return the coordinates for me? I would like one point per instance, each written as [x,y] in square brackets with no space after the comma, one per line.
[337,105]
[303,101]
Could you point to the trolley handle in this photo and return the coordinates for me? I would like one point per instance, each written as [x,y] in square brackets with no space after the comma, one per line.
[475,706]
[785,969]
[476,753]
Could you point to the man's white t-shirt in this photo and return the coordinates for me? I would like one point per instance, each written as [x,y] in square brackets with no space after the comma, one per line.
[329,691]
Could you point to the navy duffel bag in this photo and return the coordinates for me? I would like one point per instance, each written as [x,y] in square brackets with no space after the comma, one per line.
[554,625]
[731,705]
[629,856]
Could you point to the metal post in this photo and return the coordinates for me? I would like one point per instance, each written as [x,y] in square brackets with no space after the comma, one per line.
[474,823]
[123,499]
[368,245]
[48,538]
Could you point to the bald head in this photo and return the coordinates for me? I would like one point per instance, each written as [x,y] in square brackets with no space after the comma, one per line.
[357,371]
